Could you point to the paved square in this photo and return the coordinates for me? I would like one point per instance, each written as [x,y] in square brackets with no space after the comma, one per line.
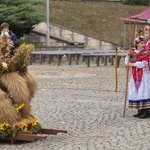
[82,101]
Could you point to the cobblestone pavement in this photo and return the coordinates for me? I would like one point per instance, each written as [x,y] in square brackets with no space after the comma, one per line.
[82,101]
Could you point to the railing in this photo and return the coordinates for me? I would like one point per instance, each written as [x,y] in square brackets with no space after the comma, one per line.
[75,55]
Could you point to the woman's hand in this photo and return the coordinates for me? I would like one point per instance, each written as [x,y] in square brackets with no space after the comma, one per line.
[130,64]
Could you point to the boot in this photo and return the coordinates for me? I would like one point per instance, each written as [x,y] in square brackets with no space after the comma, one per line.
[145,114]
[140,112]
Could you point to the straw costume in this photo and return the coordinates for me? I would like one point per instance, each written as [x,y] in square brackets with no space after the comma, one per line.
[17,88]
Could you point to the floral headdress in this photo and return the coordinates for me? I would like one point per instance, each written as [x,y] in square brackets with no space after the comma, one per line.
[147,29]
[140,37]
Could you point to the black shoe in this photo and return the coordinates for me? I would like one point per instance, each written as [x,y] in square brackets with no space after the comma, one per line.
[140,112]
[145,114]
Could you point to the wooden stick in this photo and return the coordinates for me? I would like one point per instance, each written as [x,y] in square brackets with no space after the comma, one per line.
[127,73]
[116,66]
[121,51]
[116,71]
[133,21]
[126,92]
[52,131]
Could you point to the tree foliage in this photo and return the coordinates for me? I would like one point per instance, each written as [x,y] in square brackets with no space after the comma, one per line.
[136,2]
[22,15]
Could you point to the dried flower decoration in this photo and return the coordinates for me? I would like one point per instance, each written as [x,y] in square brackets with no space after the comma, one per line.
[5,66]
[19,107]
[19,61]
[28,126]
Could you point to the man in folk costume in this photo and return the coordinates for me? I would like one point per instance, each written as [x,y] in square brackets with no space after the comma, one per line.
[139,87]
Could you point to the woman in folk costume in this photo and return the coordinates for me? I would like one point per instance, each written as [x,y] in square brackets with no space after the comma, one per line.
[147,36]
[17,87]
[139,87]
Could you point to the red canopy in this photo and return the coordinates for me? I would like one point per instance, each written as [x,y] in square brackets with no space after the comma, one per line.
[141,18]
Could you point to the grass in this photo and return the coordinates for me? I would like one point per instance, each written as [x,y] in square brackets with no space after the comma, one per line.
[97,19]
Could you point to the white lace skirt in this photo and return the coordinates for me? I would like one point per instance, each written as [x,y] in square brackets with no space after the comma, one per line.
[140,98]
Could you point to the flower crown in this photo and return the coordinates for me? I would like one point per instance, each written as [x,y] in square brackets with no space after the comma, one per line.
[140,37]
[147,28]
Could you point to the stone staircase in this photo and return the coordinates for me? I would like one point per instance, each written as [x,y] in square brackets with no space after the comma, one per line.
[61,37]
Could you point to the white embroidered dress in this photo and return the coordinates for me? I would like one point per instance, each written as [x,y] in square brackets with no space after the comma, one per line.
[140,98]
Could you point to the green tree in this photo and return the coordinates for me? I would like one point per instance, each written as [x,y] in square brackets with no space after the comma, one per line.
[22,15]
[136,2]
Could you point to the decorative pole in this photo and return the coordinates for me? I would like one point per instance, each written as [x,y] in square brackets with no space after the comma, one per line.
[131,33]
[116,66]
